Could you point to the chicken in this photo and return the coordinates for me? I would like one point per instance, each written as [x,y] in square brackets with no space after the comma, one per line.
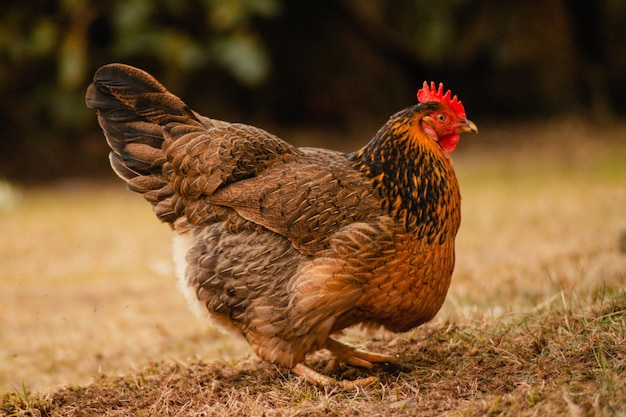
[289,246]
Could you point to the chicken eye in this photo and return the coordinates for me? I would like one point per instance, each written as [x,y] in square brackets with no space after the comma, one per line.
[441,118]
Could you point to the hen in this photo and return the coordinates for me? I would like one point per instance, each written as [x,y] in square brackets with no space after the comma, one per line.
[288,246]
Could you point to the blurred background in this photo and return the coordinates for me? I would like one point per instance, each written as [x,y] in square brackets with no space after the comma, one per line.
[85,269]
[310,66]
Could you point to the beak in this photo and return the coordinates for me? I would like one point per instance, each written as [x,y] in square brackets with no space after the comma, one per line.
[468,126]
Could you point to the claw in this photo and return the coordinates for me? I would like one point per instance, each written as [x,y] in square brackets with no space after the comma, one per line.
[355,357]
[343,354]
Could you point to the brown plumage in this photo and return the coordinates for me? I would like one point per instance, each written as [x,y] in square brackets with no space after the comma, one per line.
[287,246]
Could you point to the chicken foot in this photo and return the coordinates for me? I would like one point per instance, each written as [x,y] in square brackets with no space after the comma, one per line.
[321,380]
[356,357]
[343,354]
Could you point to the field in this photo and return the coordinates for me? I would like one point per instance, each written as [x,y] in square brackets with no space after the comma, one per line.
[534,324]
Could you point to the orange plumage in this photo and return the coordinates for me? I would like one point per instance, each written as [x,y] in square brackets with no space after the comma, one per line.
[287,246]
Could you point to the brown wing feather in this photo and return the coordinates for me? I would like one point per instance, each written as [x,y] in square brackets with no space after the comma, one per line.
[304,201]
[302,194]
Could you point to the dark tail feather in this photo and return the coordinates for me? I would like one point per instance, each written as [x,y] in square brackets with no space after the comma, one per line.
[133,109]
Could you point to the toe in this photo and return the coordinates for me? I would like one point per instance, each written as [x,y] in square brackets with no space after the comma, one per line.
[318,379]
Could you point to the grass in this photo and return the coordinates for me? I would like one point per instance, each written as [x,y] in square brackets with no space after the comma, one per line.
[534,323]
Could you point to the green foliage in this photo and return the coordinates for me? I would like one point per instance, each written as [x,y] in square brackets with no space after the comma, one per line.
[348,60]
[49,52]
[224,37]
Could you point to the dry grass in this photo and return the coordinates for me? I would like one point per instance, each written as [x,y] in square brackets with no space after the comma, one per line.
[87,289]
[534,323]
[557,361]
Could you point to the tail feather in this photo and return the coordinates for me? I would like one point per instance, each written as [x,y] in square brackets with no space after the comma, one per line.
[133,108]
[121,134]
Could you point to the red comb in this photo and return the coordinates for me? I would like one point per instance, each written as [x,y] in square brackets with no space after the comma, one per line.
[431,93]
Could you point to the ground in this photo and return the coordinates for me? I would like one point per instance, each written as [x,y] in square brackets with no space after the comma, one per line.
[534,323]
